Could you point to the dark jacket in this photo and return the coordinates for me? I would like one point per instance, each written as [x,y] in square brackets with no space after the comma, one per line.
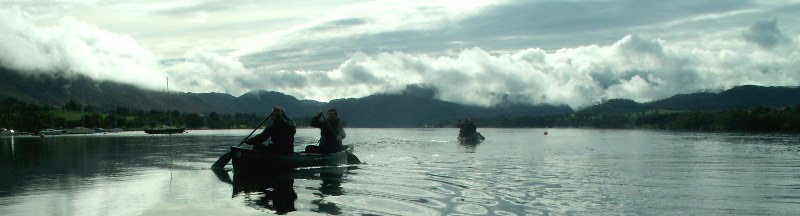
[329,130]
[282,134]
[467,129]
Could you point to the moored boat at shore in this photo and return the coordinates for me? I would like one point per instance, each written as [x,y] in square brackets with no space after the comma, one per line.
[51,131]
[165,130]
[7,132]
[80,130]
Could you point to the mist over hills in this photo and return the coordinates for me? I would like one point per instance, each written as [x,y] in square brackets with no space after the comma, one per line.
[741,97]
[414,107]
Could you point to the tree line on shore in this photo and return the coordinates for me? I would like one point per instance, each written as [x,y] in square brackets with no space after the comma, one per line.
[764,119]
[21,116]
[30,117]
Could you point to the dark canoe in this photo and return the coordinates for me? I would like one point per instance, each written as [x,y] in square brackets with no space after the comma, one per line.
[164,131]
[471,139]
[247,159]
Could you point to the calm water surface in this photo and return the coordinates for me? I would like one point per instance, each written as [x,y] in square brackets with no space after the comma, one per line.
[411,172]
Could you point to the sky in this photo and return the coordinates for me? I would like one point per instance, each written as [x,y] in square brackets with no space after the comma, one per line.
[486,53]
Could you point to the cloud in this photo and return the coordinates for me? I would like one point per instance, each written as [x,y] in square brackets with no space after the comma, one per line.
[364,27]
[203,71]
[766,34]
[481,53]
[634,67]
[72,46]
[190,8]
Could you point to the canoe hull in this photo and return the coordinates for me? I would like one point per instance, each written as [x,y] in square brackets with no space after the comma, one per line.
[247,159]
[473,139]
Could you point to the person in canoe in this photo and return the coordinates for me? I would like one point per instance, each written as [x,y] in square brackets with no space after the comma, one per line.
[281,131]
[467,128]
[468,132]
[331,133]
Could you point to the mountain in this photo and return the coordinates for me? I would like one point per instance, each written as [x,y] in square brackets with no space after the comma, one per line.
[615,106]
[414,107]
[414,111]
[261,101]
[58,89]
[741,97]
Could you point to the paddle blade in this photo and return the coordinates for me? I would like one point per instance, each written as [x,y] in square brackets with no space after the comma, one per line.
[352,159]
[223,161]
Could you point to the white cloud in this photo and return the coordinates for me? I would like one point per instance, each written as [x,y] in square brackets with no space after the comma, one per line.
[204,71]
[481,52]
[634,67]
[363,20]
[74,47]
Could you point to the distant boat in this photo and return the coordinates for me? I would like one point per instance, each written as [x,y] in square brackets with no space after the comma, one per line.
[110,130]
[80,130]
[165,130]
[113,130]
[51,131]
[6,132]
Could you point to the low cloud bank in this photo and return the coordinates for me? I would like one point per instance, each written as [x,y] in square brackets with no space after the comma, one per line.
[71,47]
[635,67]
[638,68]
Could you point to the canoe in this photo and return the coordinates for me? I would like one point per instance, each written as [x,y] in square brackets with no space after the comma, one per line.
[248,159]
[471,139]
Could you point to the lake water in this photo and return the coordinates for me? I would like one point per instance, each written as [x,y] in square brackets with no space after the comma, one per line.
[412,172]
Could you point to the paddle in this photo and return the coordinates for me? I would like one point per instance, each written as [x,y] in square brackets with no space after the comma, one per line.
[351,158]
[225,158]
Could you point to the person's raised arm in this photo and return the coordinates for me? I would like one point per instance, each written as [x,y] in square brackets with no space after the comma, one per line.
[261,137]
[315,121]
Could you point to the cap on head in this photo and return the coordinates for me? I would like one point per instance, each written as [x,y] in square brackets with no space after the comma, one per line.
[278,110]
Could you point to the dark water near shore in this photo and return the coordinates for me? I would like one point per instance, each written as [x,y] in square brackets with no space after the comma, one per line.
[411,172]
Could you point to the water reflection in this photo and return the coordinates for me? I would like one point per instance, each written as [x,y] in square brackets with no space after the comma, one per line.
[331,186]
[274,190]
[411,172]
[470,144]
[12,149]
[468,147]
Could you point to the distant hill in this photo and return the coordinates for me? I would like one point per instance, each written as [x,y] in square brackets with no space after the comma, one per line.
[616,106]
[742,97]
[414,107]
[414,111]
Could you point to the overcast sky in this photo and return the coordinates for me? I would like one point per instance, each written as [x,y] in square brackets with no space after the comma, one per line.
[575,52]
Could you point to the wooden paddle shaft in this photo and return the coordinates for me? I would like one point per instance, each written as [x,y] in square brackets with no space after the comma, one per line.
[255,129]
